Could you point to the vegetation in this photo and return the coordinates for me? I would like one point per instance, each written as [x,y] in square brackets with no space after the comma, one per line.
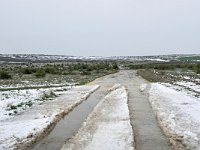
[27,70]
[5,75]
[167,66]
[46,96]
[40,73]
[198,71]
[84,68]
[189,58]
[152,76]
[30,75]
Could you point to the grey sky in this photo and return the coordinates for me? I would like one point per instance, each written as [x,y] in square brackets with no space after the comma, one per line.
[100,27]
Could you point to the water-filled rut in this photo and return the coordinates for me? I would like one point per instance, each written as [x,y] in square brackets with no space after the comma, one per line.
[68,126]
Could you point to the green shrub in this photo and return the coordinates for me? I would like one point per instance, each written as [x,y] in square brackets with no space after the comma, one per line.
[50,70]
[115,66]
[5,75]
[194,67]
[84,72]
[27,71]
[198,70]
[40,73]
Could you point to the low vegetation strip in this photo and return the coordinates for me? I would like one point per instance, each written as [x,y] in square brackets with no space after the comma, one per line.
[178,115]
[167,66]
[41,75]
[21,131]
[189,58]
[107,127]
[41,70]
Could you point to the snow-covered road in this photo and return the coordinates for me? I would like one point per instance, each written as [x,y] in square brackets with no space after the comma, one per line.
[123,119]
[107,127]
[102,130]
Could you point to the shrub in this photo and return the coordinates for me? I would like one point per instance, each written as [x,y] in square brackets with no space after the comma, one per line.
[115,66]
[198,71]
[40,73]
[52,94]
[27,71]
[84,72]
[50,70]
[5,75]
[13,107]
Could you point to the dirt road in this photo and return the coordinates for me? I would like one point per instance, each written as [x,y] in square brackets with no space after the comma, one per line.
[147,134]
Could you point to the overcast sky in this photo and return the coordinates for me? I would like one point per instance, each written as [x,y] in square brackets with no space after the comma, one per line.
[100,27]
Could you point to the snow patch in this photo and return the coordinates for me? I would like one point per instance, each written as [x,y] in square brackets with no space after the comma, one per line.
[15,102]
[191,85]
[143,87]
[178,114]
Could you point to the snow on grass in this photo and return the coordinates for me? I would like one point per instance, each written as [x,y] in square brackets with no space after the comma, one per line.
[107,127]
[22,130]
[191,85]
[158,59]
[186,77]
[178,114]
[14,102]
[35,84]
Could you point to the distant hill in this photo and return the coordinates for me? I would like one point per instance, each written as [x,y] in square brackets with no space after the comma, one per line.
[17,58]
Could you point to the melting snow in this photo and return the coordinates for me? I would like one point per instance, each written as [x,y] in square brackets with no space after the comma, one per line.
[26,127]
[177,112]
[107,127]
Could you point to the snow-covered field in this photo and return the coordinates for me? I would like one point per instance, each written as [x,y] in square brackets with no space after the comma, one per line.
[23,129]
[178,113]
[14,102]
[35,84]
[107,127]
[190,85]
